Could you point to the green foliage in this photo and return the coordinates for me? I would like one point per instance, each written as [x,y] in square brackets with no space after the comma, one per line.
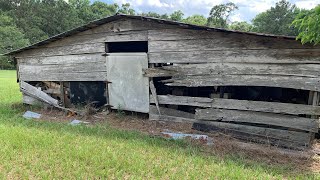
[11,38]
[177,16]
[196,19]
[126,9]
[308,23]
[240,26]
[277,20]
[219,15]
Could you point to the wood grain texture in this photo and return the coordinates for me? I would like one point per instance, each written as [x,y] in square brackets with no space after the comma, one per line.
[294,82]
[228,39]
[66,59]
[100,38]
[65,50]
[66,72]
[285,138]
[238,56]
[303,70]
[234,104]
[224,115]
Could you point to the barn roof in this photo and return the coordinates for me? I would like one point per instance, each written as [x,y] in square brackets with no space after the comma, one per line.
[105,20]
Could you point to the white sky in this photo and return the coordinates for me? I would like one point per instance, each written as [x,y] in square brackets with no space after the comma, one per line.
[247,8]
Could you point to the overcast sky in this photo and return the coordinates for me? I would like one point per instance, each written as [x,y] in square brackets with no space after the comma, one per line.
[247,8]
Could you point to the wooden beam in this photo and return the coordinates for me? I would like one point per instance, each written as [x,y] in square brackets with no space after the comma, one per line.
[302,70]
[305,124]
[154,95]
[287,56]
[220,103]
[294,82]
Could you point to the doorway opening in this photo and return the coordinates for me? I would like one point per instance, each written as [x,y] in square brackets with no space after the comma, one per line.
[127,47]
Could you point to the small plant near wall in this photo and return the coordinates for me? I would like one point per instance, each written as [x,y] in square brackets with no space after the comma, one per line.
[120,112]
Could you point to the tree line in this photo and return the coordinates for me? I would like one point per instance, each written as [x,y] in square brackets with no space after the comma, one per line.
[24,22]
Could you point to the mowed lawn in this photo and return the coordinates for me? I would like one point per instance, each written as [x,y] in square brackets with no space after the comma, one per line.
[46,150]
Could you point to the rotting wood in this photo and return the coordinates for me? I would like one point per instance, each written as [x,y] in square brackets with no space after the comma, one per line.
[217,44]
[171,115]
[303,70]
[30,100]
[64,72]
[37,94]
[64,59]
[287,138]
[230,130]
[234,104]
[64,50]
[238,55]
[294,82]
[62,94]
[227,38]
[223,115]
[124,25]
[100,38]
[154,95]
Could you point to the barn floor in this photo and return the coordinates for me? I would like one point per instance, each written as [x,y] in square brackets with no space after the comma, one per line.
[223,144]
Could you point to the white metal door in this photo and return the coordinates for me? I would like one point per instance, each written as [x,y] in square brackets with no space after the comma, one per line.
[129,89]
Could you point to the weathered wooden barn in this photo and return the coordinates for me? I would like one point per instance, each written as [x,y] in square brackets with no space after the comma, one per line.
[254,86]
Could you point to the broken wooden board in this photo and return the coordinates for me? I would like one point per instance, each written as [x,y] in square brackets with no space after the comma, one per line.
[234,104]
[286,138]
[30,100]
[171,115]
[305,56]
[227,38]
[37,94]
[302,70]
[295,122]
[294,82]
[282,138]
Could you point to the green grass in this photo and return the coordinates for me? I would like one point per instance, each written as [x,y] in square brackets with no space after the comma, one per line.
[46,150]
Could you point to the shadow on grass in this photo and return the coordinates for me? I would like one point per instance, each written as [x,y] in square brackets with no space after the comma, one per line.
[11,115]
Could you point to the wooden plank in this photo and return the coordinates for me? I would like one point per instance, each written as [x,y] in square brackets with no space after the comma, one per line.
[233,104]
[67,72]
[30,100]
[100,38]
[257,134]
[37,94]
[238,56]
[65,59]
[172,115]
[305,70]
[183,100]
[65,50]
[229,38]
[223,115]
[294,82]
[154,95]
[124,25]
[221,43]
[286,137]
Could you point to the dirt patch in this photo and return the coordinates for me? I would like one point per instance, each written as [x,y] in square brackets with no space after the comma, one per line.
[223,144]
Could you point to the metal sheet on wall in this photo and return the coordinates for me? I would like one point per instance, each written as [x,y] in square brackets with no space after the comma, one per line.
[129,89]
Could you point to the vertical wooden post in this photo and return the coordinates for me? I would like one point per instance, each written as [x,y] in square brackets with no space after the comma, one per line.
[62,94]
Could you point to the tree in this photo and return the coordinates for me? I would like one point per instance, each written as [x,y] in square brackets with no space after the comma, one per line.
[11,38]
[219,15]
[101,9]
[277,20]
[177,16]
[126,9]
[240,26]
[307,23]
[196,19]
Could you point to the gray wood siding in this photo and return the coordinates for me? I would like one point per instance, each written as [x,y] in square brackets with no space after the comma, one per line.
[79,57]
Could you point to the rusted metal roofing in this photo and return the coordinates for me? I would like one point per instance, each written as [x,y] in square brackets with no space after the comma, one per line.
[102,21]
